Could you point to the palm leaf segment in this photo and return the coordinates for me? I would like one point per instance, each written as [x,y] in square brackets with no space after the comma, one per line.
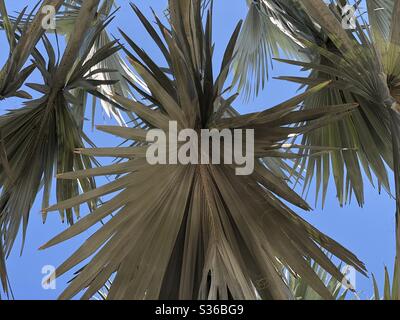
[298,22]
[366,74]
[41,136]
[271,30]
[115,62]
[303,291]
[359,73]
[22,38]
[300,289]
[390,287]
[364,66]
[64,22]
[196,231]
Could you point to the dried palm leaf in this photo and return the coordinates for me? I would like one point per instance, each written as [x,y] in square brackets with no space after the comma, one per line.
[196,231]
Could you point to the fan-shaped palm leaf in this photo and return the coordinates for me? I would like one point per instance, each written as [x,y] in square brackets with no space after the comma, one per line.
[380,17]
[196,231]
[42,136]
[270,30]
[364,67]
[65,22]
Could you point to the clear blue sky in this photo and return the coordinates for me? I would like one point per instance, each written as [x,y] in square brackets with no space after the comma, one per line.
[369,232]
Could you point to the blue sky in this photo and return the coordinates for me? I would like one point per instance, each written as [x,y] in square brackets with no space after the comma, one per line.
[368,232]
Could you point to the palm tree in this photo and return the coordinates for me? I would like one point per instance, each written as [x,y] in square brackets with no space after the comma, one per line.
[41,136]
[197,231]
[363,66]
[200,231]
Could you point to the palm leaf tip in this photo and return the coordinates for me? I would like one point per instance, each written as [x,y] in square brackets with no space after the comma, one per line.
[3,270]
[267,33]
[40,137]
[390,286]
[22,43]
[303,291]
[196,231]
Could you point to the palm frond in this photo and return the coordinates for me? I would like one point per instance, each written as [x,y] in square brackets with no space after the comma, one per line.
[123,75]
[380,17]
[65,22]
[196,231]
[41,137]
[271,30]
[303,291]
[364,75]
[364,66]
[22,42]
[300,289]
